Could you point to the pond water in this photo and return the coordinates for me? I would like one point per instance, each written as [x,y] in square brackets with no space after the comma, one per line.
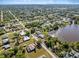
[69,33]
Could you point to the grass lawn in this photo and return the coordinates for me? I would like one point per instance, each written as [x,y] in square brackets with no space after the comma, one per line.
[39,52]
[1,55]
[10,35]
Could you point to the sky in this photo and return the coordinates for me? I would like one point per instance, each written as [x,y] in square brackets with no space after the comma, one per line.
[39,1]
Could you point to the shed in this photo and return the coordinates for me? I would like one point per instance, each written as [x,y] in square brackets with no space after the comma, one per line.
[26,38]
[6,46]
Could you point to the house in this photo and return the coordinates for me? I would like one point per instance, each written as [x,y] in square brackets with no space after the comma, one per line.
[22,32]
[6,46]
[5,41]
[31,47]
[40,35]
[26,38]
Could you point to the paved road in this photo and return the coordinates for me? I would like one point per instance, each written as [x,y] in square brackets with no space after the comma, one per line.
[43,45]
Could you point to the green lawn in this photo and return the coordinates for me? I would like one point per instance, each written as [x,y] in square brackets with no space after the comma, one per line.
[39,52]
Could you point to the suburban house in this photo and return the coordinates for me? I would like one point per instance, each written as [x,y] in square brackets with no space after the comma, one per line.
[26,38]
[6,43]
[31,47]
[22,32]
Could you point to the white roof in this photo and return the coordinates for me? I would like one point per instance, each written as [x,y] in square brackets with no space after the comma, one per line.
[31,46]
[26,38]
[41,35]
[6,46]
[5,40]
[22,33]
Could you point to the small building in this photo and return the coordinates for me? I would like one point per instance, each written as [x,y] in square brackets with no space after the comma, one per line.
[31,48]
[41,36]
[22,32]
[4,36]
[6,46]
[5,41]
[26,38]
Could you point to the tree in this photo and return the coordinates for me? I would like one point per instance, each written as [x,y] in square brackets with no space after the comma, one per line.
[33,30]
[2,31]
[77,46]
[39,43]
[20,55]
[23,51]
[66,46]
[5,53]
[1,55]
[55,26]
[45,32]
[15,49]
[16,35]
[17,38]
[50,44]
[27,33]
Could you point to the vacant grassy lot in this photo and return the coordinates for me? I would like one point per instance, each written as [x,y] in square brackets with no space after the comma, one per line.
[39,52]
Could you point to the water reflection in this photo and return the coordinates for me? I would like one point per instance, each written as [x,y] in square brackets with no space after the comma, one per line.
[69,33]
